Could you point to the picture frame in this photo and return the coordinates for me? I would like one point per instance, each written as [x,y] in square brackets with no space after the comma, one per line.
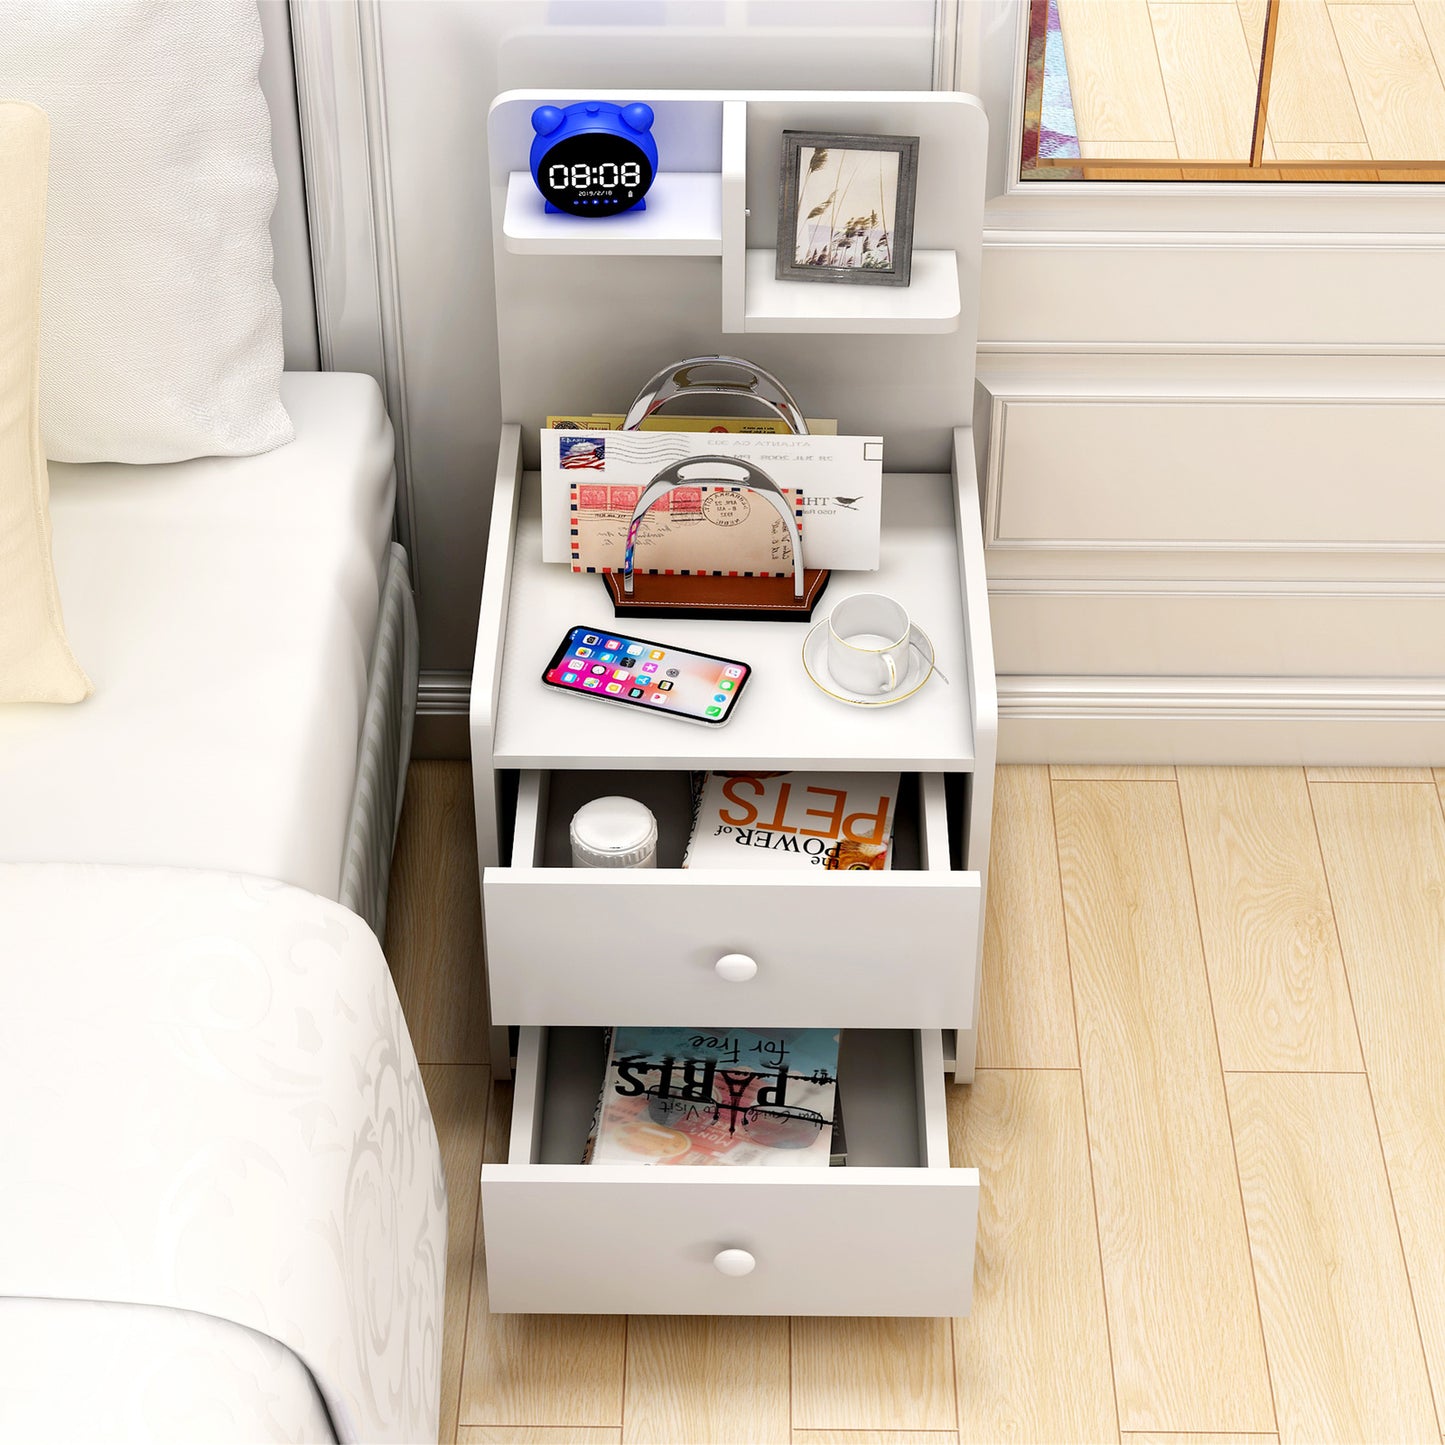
[845,208]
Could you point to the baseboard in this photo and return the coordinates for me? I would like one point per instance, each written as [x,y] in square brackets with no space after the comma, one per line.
[1221,720]
[443,700]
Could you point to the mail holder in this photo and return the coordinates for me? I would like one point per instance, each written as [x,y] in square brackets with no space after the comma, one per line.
[728,595]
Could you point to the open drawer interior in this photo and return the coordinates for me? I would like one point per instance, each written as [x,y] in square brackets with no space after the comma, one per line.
[546,802]
[890,1082]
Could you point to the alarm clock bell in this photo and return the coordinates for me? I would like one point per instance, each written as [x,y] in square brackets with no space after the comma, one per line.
[593,159]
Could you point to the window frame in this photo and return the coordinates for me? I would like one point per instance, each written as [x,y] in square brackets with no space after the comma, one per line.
[989,55]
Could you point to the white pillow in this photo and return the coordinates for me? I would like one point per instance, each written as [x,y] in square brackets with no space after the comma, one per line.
[160,323]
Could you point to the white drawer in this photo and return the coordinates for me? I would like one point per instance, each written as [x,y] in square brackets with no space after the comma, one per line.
[893,949]
[890,1233]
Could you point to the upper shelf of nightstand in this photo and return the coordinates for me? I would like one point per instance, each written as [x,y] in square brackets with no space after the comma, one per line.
[683,217]
[930,303]
[784,721]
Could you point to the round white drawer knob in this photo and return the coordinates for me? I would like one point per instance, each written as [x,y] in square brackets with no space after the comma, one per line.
[734,1262]
[736,968]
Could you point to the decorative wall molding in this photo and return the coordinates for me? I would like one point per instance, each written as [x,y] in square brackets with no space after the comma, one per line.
[1219,698]
[945,44]
[1210,558]
[341,96]
[1219,720]
[290,242]
[1202,291]
[1230,349]
[1369,243]
[1230,474]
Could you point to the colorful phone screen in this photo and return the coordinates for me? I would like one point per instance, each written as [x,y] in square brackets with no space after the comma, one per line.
[649,675]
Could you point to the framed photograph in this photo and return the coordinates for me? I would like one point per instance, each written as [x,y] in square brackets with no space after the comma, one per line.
[845,208]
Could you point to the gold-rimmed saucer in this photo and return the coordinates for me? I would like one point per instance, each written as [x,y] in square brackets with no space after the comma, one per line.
[815,664]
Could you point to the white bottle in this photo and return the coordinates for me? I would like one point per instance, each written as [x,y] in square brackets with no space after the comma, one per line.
[614,833]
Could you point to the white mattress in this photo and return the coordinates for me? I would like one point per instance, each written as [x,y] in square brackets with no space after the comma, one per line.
[225,609]
[80,1371]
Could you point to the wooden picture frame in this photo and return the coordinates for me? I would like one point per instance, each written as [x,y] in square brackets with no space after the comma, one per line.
[845,208]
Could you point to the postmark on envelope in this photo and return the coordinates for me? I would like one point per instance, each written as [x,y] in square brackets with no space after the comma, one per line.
[708,530]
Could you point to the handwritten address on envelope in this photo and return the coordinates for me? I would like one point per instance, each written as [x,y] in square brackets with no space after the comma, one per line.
[708,530]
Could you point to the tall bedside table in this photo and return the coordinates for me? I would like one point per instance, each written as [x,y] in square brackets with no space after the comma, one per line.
[891,958]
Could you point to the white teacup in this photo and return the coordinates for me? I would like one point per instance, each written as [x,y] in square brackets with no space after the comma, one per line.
[870,638]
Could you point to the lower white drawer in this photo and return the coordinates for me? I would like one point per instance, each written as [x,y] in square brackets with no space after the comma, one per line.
[890,1233]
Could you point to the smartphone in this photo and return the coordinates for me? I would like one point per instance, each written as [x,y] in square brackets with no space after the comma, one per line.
[654,676]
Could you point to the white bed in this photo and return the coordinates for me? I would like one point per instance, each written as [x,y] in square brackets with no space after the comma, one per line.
[249,628]
[158,1376]
[223,1214]
[226,610]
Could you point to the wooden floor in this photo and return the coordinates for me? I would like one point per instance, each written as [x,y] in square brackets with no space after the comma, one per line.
[1209,1119]
[1160,81]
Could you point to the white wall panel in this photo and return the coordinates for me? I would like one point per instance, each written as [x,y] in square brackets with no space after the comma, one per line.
[290,244]
[1213,557]
[1042,290]
[1337,631]
[1217,474]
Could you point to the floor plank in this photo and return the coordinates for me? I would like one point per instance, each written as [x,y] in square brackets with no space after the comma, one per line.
[538,1435]
[1183,1320]
[1397,87]
[707,1381]
[1339,1323]
[1113,69]
[1276,977]
[434,917]
[875,1437]
[1132,150]
[1033,1358]
[458,1095]
[873,1374]
[1323,151]
[1384,851]
[1111,772]
[1368,775]
[1134,1437]
[536,1369]
[1027,1015]
[1208,79]
[1310,99]
[1432,20]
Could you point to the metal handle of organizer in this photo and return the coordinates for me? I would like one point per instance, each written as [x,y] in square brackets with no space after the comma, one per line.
[669,479]
[732,376]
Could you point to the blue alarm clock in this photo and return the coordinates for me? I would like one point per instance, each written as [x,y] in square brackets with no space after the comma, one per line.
[594,158]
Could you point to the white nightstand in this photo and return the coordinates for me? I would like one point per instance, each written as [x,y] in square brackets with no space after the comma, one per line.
[892,958]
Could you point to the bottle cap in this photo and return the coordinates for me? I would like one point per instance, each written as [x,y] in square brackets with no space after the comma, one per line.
[613,833]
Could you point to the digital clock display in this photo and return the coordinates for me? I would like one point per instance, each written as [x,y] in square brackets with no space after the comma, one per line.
[594,175]
[604,176]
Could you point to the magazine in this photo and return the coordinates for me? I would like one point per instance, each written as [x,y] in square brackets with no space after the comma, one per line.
[716,1097]
[802,820]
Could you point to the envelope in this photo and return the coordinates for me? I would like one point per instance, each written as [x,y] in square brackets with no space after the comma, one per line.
[760,424]
[704,531]
[840,480]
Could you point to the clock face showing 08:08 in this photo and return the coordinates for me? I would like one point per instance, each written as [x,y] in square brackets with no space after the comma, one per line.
[594,175]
